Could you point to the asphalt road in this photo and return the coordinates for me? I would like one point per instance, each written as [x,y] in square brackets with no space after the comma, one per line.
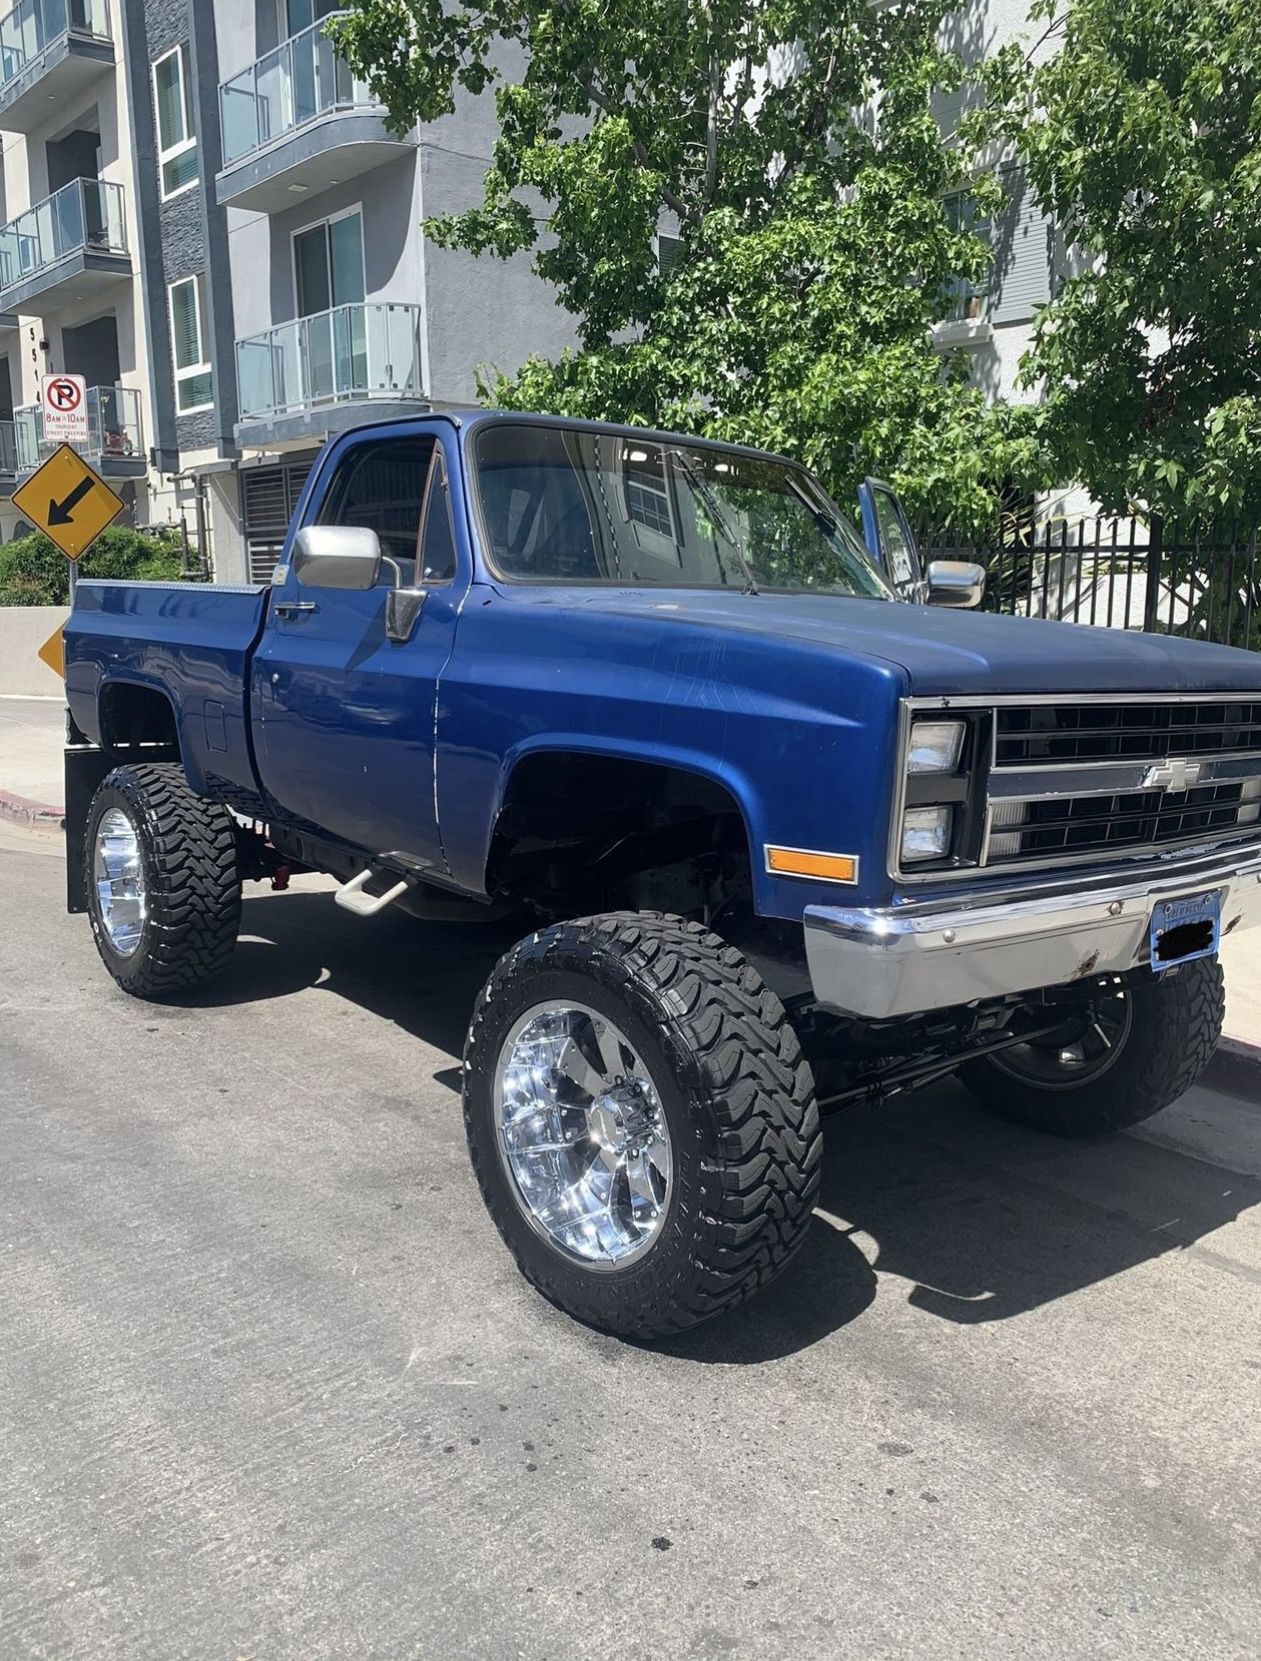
[271,1388]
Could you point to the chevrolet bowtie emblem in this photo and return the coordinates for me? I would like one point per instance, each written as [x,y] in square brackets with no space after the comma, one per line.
[1174,776]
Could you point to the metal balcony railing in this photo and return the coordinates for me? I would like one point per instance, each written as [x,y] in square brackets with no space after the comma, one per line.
[352,352]
[34,25]
[115,432]
[302,79]
[84,216]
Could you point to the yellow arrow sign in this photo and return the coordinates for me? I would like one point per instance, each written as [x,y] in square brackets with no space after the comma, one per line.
[53,652]
[69,501]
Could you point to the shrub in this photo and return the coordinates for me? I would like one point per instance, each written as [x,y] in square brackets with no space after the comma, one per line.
[34,571]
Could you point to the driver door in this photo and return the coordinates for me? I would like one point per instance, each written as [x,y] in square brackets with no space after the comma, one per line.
[345,715]
[891,542]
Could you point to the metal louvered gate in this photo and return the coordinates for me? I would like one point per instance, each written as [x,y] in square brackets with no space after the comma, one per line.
[268,497]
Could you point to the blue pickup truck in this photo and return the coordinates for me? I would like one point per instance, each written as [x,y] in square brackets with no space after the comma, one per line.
[777,841]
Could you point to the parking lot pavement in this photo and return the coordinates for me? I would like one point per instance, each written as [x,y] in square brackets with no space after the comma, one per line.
[270,1386]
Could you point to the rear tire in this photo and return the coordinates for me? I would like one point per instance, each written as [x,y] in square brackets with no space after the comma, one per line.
[163,885]
[730,1121]
[1172,1026]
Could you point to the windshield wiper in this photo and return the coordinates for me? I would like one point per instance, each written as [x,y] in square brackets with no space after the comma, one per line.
[717,518]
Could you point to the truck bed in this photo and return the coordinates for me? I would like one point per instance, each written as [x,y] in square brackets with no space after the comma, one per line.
[192,643]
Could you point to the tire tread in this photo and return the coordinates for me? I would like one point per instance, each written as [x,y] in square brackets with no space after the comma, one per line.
[761,1191]
[195,897]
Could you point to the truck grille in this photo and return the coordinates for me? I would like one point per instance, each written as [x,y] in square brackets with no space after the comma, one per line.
[1074,781]
[1039,734]
[1133,819]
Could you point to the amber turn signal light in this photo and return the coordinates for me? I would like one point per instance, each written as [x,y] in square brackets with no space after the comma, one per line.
[804,862]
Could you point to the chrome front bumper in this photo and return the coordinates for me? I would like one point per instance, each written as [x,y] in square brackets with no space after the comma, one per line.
[932,953]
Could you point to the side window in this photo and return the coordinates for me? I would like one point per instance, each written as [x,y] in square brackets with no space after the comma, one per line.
[437,537]
[380,485]
[902,565]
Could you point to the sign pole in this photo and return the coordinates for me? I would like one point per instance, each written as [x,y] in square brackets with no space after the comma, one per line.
[70,502]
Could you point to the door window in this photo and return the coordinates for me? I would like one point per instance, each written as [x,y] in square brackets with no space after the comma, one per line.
[903,565]
[328,264]
[329,283]
[380,485]
[300,14]
[437,538]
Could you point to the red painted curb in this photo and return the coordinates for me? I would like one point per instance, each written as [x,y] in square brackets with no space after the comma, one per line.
[34,815]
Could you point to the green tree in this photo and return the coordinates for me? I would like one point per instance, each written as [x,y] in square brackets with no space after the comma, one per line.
[34,571]
[1142,136]
[815,250]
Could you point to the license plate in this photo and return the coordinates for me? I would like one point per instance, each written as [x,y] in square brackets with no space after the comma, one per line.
[1187,929]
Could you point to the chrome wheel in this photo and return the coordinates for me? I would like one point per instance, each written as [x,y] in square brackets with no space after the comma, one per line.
[118,875]
[1082,1052]
[582,1135]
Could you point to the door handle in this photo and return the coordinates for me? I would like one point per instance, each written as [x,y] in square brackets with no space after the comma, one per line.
[293,608]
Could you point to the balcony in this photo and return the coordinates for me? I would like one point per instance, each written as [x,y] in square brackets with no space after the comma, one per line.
[49,51]
[66,248]
[303,380]
[297,121]
[115,435]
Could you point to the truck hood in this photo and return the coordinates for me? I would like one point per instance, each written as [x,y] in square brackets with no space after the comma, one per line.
[943,651]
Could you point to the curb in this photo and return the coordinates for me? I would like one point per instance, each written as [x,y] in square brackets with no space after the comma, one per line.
[1236,1069]
[34,815]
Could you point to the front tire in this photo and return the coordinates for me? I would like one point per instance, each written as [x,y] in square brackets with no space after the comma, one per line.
[162,880]
[1134,1048]
[641,1121]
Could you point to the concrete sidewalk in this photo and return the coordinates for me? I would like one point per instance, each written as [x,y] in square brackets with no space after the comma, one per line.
[31,734]
[32,731]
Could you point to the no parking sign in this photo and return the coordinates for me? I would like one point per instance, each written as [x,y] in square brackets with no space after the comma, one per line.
[65,402]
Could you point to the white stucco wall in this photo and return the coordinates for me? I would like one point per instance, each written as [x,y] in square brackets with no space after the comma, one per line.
[23,630]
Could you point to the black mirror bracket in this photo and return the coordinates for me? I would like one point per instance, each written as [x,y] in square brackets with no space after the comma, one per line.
[402,612]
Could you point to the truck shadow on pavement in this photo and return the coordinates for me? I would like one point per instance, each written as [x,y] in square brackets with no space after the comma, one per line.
[967,1218]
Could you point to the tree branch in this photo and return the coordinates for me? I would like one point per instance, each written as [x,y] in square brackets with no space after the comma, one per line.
[641,155]
[711,132]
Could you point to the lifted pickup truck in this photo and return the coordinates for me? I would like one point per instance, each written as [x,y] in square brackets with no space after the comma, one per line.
[776,843]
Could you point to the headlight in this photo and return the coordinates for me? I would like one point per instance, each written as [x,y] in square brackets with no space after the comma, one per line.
[935,746]
[926,833]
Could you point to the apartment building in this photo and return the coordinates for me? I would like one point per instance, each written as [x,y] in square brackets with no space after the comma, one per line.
[204,213]
[992,319]
[70,277]
[343,309]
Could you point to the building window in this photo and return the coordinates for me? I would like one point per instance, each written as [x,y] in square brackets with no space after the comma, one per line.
[194,382]
[177,143]
[647,491]
[301,14]
[967,300]
[669,251]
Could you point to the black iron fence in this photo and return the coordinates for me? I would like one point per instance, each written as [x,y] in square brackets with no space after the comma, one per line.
[1120,574]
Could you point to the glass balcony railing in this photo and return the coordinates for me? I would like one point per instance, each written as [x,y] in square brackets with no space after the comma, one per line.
[34,25]
[115,432]
[351,352]
[85,216]
[302,79]
[8,449]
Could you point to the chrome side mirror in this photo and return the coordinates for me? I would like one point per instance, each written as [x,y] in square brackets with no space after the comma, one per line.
[956,582]
[336,556]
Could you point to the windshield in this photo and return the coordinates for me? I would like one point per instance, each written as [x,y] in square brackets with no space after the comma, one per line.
[564,506]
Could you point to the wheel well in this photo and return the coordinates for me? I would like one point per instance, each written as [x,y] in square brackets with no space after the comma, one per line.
[138,717]
[578,830]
